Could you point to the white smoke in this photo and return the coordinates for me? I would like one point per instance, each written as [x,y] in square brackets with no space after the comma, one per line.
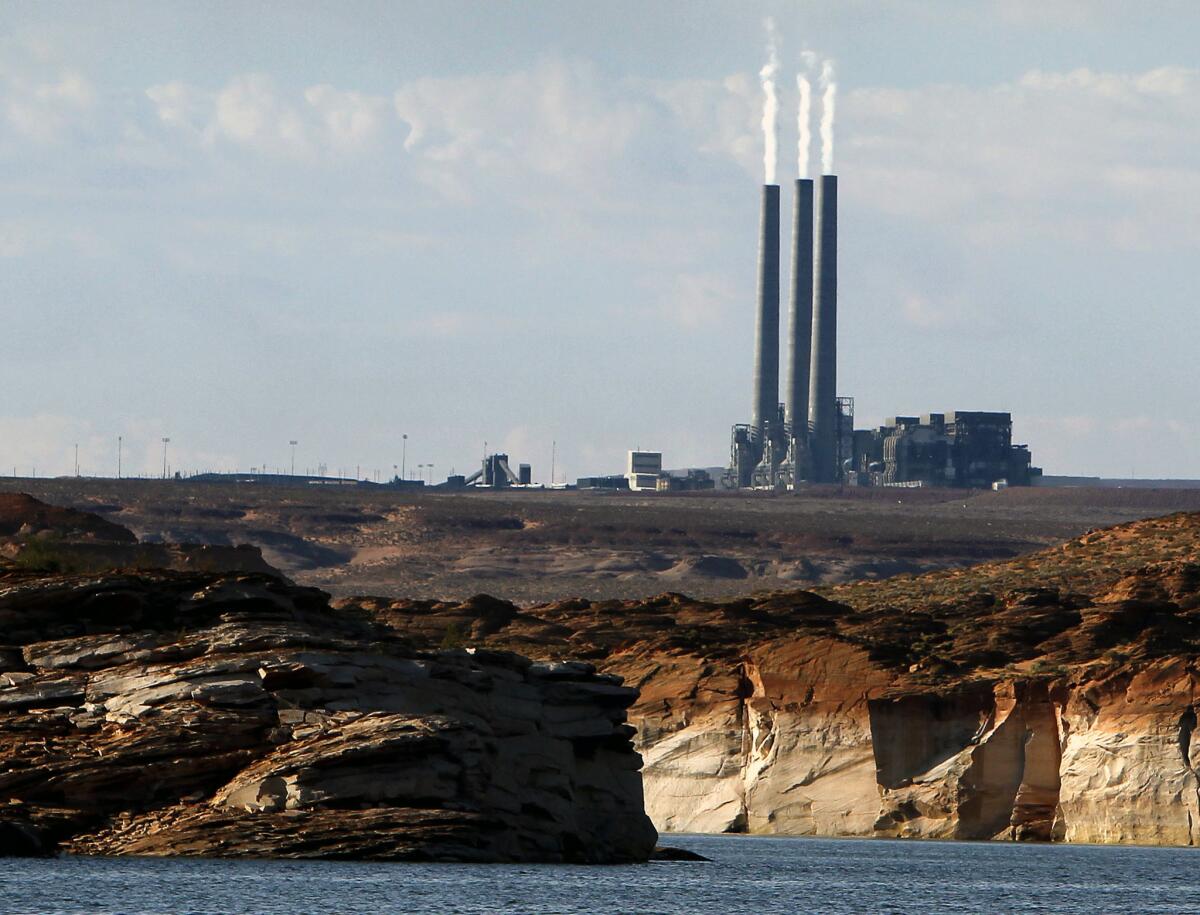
[804,115]
[804,121]
[828,96]
[770,106]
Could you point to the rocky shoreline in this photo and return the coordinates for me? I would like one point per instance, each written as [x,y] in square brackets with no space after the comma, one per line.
[235,715]
[1048,698]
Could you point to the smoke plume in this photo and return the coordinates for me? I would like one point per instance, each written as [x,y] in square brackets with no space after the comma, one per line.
[828,96]
[804,115]
[770,107]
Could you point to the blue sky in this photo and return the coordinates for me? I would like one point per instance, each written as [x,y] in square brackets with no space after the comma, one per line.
[240,224]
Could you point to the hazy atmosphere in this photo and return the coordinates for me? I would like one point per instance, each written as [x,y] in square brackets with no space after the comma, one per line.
[359,221]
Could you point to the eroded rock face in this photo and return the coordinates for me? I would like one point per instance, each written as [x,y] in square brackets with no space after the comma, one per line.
[165,714]
[1053,698]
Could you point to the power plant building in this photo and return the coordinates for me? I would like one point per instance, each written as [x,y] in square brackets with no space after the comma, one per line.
[811,436]
[964,449]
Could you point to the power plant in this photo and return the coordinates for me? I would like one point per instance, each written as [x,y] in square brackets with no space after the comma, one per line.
[810,438]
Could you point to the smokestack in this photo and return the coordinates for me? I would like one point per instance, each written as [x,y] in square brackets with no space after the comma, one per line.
[800,324]
[766,347]
[822,394]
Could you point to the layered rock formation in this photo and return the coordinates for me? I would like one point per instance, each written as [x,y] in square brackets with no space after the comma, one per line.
[34,535]
[161,713]
[1052,697]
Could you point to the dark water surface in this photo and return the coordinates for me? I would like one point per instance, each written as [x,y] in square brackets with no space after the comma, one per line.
[750,875]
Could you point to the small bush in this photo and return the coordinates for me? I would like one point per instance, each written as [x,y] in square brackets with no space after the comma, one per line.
[44,555]
[454,637]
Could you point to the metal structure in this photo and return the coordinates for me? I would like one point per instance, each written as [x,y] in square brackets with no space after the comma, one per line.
[800,331]
[777,448]
[969,449]
[495,473]
[766,348]
[822,391]
[812,436]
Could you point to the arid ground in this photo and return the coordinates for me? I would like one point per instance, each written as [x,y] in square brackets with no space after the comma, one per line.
[530,546]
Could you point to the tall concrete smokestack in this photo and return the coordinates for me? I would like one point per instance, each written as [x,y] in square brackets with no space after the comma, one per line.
[822,393]
[800,324]
[766,346]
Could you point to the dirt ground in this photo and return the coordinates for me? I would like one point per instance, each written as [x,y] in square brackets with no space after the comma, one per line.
[532,546]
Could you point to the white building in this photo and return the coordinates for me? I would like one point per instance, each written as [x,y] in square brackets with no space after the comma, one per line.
[643,470]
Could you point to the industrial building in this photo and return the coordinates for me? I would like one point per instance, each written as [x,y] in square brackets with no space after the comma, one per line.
[495,473]
[965,449]
[643,470]
[644,473]
[810,437]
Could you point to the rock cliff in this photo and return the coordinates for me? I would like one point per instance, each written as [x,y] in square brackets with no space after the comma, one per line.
[169,713]
[1052,697]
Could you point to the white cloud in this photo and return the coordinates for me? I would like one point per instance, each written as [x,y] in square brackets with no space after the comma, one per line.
[557,123]
[697,301]
[1039,13]
[43,111]
[1143,445]
[924,312]
[250,112]
[14,240]
[23,238]
[182,106]
[446,324]
[351,119]
[1097,159]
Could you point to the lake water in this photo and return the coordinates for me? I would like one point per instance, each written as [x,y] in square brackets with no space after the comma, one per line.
[748,874]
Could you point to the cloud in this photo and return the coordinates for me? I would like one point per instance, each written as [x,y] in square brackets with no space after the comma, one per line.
[697,301]
[922,311]
[44,111]
[1041,13]
[27,237]
[445,324]
[351,119]
[251,113]
[1141,445]
[557,121]
[1090,158]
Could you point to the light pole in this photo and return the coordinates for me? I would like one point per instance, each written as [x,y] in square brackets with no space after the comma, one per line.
[293,443]
[165,442]
[77,459]
[403,453]
[119,443]
[430,466]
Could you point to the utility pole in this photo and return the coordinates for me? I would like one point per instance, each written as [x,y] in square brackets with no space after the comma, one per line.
[119,444]
[165,442]
[293,443]
[77,459]
[403,454]
[553,459]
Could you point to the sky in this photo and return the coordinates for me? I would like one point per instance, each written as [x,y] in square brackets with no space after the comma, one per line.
[532,227]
